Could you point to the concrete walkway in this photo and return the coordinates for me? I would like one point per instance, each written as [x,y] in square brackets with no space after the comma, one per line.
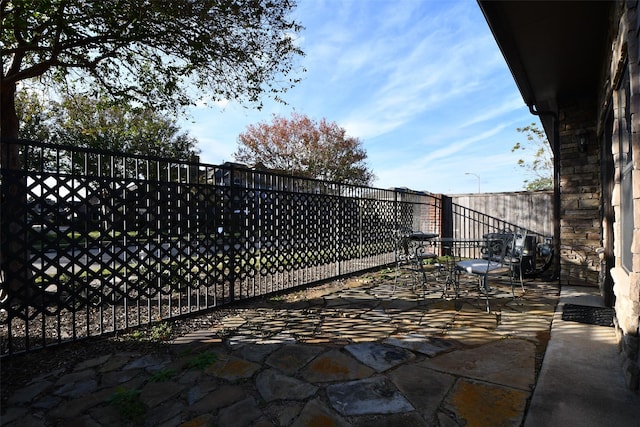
[348,353]
[581,382]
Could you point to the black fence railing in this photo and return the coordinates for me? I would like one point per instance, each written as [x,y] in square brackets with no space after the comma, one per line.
[466,223]
[95,242]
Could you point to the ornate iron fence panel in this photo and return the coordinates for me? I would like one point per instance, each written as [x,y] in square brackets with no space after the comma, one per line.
[95,242]
[471,224]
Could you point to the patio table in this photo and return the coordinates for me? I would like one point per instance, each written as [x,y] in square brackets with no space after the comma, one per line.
[415,247]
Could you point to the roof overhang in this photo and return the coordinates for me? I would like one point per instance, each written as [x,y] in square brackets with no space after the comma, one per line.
[554,49]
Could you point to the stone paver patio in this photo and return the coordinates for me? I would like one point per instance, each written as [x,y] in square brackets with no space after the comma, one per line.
[351,352]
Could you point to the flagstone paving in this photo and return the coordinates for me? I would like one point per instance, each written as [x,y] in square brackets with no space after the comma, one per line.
[358,353]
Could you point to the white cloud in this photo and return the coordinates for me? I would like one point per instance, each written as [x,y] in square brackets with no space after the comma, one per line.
[492,112]
[422,83]
[415,77]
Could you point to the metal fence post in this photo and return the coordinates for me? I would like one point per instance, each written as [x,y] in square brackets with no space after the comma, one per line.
[234,221]
[446,220]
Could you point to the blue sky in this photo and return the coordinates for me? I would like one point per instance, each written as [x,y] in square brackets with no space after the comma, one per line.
[422,84]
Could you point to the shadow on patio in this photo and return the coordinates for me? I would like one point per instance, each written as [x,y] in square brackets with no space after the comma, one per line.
[351,352]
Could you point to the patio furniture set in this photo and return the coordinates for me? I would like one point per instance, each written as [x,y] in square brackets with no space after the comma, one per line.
[449,261]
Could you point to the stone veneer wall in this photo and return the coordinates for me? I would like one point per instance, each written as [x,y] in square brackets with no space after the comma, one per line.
[625,49]
[580,227]
[580,186]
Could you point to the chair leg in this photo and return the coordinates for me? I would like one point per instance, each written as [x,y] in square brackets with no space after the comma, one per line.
[513,292]
[424,278]
[486,291]
[483,283]
[395,280]
[450,282]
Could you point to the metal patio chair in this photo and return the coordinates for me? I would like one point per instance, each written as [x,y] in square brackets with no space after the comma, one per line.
[501,256]
[411,250]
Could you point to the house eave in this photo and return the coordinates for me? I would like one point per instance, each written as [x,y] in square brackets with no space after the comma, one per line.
[554,49]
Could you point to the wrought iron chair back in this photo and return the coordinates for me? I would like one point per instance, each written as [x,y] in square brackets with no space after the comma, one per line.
[501,255]
[411,251]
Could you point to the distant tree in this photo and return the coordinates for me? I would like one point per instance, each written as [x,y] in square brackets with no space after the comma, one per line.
[303,147]
[541,165]
[97,123]
[34,116]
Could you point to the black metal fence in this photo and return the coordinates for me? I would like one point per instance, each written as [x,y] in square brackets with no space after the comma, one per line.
[95,242]
[468,223]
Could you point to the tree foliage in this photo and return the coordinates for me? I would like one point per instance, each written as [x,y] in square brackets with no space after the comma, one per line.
[541,165]
[159,53]
[96,123]
[34,116]
[303,147]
